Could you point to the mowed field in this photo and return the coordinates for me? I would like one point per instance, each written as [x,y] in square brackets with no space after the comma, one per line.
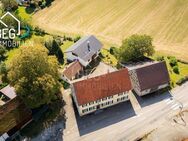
[113,20]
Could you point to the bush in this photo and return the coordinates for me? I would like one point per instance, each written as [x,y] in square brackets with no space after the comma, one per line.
[182,80]
[65,38]
[112,50]
[64,83]
[76,39]
[39,31]
[2,51]
[160,58]
[9,5]
[2,85]
[176,69]
[173,62]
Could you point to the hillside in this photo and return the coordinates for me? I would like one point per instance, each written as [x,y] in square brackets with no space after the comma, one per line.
[165,20]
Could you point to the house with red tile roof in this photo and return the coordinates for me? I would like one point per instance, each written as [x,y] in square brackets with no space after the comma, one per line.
[150,78]
[72,71]
[102,91]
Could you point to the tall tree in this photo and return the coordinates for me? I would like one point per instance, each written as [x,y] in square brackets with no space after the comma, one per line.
[54,49]
[9,5]
[34,75]
[2,51]
[136,47]
[3,72]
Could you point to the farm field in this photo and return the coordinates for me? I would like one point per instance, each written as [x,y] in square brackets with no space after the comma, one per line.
[111,21]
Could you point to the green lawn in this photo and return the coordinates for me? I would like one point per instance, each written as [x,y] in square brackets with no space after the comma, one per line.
[183,69]
[108,58]
[66,45]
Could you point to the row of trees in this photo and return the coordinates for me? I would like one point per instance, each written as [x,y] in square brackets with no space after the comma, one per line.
[12,5]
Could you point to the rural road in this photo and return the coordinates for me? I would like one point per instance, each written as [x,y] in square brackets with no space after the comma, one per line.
[126,122]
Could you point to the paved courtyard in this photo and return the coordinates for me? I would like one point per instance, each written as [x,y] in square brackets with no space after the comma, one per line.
[125,121]
[101,69]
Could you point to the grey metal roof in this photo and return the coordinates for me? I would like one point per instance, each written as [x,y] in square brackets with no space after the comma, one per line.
[80,48]
[8,91]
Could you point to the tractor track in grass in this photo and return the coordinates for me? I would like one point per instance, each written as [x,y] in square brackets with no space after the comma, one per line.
[111,21]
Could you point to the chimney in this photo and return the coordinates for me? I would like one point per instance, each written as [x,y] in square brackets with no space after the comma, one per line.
[88,46]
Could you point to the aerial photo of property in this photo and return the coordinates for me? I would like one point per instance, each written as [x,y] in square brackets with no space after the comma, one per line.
[93,70]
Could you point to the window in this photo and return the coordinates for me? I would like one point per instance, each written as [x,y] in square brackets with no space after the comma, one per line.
[118,100]
[123,98]
[103,104]
[110,97]
[91,103]
[85,110]
[84,105]
[98,100]
[120,94]
[104,98]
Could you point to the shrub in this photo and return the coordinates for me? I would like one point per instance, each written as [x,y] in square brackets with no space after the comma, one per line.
[160,58]
[69,39]
[173,62]
[9,5]
[76,39]
[182,80]
[176,69]
[2,85]
[39,31]
[2,51]
[112,50]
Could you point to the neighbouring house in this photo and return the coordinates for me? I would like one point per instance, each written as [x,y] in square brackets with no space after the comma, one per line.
[13,113]
[84,50]
[101,92]
[72,71]
[150,78]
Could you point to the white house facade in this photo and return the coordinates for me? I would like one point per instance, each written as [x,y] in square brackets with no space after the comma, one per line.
[101,103]
[100,92]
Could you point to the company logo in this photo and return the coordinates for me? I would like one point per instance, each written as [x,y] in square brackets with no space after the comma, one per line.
[9,32]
